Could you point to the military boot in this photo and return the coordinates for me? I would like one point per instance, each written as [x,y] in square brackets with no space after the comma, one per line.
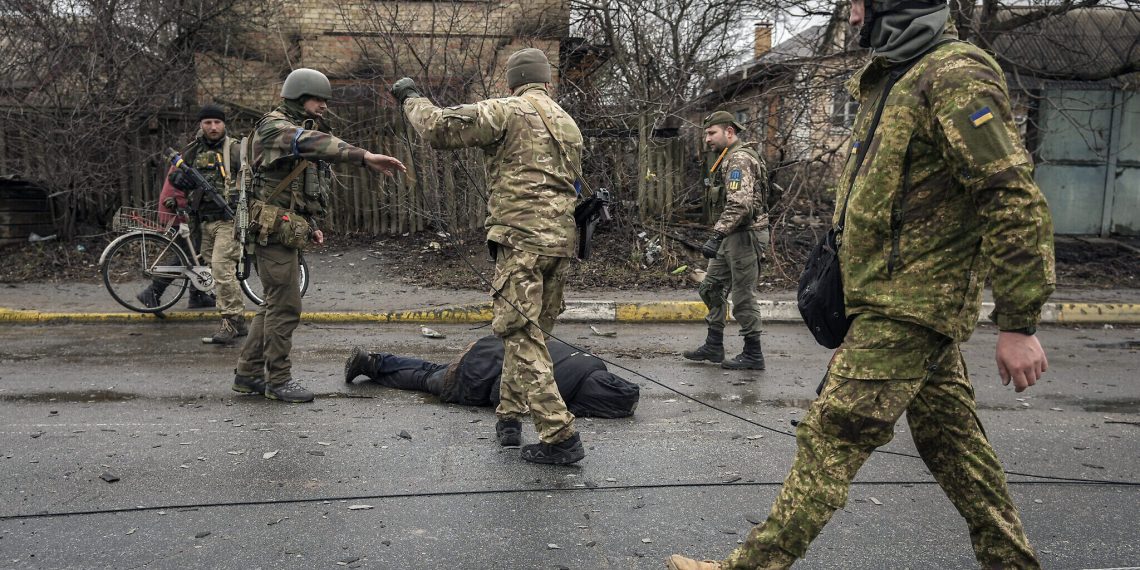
[238,321]
[228,331]
[751,359]
[712,350]
[359,362]
[248,384]
[508,432]
[678,562]
[288,391]
[201,300]
[151,296]
[564,452]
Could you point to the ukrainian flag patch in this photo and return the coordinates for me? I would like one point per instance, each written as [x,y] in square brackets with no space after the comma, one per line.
[734,179]
[981,117]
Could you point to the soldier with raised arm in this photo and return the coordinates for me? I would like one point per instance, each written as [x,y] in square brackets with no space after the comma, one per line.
[290,160]
[533,152]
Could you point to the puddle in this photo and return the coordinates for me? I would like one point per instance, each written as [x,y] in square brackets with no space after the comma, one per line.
[70,397]
[1126,345]
[1105,405]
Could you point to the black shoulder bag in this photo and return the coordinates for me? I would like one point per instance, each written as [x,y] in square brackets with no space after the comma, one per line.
[819,296]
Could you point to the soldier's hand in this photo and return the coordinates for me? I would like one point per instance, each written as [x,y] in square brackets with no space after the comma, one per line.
[318,237]
[712,245]
[403,89]
[383,163]
[1020,359]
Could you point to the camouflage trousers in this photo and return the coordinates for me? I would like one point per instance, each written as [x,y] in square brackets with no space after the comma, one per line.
[735,271]
[221,252]
[266,349]
[533,284]
[884,368]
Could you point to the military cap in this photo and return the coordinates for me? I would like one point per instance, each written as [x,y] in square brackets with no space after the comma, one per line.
[722,118]
[211,111]
[304,81]
[528,65]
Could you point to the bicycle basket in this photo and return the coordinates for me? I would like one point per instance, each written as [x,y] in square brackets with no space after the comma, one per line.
[130,219]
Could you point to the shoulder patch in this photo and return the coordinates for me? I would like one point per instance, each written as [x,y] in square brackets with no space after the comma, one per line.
[981,117]
[734,180]
[735,174]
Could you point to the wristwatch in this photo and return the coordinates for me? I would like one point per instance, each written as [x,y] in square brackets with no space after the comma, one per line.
[1027,331]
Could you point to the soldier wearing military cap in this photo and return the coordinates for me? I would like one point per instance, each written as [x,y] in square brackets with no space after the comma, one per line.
[941,198]
[290,156]
[738,241]
[533,150]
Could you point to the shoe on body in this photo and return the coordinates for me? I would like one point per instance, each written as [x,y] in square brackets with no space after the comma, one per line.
[359,362]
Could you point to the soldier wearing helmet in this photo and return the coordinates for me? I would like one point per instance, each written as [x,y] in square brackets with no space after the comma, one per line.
[533,150]
[937,196]
[289,160]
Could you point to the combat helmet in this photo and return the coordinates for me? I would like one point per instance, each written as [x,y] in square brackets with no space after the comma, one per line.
[304,81]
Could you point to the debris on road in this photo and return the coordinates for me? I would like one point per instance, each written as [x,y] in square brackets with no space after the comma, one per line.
[431,333]
[601,333]
[360,507]
[109,477]
[270,454]
[404,434]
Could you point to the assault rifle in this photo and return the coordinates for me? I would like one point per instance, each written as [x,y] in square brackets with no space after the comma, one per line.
[200,183]
[587,214]
[241,222]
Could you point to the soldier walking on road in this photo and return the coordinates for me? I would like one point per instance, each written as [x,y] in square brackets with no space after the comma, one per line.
[533,150]
[289,161]
[943,192]
[739,239]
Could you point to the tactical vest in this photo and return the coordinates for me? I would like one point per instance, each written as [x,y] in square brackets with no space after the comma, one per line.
[217,168]
[307,193]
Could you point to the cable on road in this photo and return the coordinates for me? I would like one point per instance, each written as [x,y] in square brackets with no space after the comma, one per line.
[447,235]
[433,494]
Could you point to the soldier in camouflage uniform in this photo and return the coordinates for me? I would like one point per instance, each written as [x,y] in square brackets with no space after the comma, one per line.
[533,150]
[208,154]
[944,194]
[290,179]
[216,155]
[739,239]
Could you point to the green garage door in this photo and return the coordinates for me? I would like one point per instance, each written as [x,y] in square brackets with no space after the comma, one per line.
[1089,167]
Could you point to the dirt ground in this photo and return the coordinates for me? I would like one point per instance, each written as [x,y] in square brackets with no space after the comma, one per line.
[628,257]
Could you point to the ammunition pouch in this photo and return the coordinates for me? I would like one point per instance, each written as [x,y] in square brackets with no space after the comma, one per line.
[274,224]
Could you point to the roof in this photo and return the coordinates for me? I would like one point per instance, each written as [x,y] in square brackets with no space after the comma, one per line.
[1086,44]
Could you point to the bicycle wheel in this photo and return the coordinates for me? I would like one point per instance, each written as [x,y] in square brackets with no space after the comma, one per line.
[145,261]
[251,285]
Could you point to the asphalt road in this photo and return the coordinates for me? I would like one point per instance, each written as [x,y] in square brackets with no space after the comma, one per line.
[150,405]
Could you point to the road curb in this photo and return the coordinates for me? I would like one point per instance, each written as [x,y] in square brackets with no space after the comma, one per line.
[576,311]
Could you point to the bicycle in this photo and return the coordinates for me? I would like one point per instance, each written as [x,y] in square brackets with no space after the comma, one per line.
[152,251]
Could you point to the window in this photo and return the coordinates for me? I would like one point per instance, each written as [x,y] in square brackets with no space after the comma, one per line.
[742,117]
[843,109]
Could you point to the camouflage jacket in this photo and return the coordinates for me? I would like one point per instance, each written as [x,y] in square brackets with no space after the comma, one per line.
[745,181]
[206,158]
[280,140]
[531,207]
[944,195]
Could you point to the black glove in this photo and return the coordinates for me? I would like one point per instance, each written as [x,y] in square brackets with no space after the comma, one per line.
[711,246]
[403,89]
[181,181]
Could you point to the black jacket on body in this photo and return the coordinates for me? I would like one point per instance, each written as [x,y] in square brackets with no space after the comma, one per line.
[587,387]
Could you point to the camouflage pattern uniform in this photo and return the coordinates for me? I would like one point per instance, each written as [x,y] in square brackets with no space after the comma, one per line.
[218,248]
[744,223]
[280,140]
[530,221]
[945,193]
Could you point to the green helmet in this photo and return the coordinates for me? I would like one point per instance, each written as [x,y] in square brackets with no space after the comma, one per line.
[304,81]
[528,65]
